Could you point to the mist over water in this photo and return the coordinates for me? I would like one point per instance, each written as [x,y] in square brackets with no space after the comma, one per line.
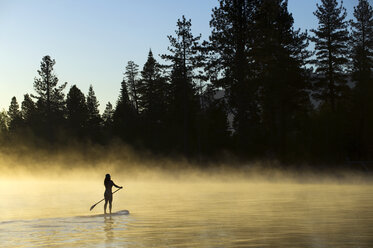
[46,201]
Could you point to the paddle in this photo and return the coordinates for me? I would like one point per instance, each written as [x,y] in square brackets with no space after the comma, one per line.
[101,200]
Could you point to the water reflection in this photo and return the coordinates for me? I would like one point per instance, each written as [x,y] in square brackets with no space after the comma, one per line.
[108,228]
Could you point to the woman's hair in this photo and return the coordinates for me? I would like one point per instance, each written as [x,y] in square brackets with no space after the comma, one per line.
[107,179]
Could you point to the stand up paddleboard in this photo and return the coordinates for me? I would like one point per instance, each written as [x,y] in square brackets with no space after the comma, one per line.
[121,212]
[118,213]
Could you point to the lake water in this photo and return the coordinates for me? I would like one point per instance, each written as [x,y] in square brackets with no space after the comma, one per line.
[186,214]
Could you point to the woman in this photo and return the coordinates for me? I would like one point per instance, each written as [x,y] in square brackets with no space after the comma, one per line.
[108,195]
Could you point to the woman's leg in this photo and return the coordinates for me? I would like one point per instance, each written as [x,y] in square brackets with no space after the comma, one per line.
[110,204]
[106,205]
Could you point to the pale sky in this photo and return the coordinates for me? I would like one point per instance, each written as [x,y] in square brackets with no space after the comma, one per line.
[92,40]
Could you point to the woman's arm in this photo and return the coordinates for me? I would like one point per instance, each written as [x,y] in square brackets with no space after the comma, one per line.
[119,187]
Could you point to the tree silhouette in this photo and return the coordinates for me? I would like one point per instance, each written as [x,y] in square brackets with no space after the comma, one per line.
[125,116]
[362,43]
[362,75]
[231,64]
[29,113]
[94,119]
[330,85]
[133,83]
[108,123]
[185,58]
[107,116]
[4,122]
[77,113]
[331,47]
[92,104]
[153,90]
[213,125]
[50,98]
[15,118]
[280,56]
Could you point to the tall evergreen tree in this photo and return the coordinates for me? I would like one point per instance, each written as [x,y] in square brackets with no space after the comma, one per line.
[133,83]
[125,117]
[153,90]
[331,38]
[50,98]
[92,104]
[14,114]
[231,64]
[29,112]
[108,122]
[107,116]
[77,113]
[185,57]
[49,95]
[94,118]
[362,42]
[14,111]
[124,96]
[362,75]
[280,55]
[213,125]
[4,122]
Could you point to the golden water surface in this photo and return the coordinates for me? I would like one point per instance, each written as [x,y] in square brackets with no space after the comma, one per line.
[49,213]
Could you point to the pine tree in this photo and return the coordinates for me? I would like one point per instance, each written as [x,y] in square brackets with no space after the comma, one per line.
[153,90]
[92,105]
[124,95]
[331,38]
[133,83]
[50,99]
[125,118]
[4,122]
[14,114]
[107,116]
[186,58]
[49,94]
[362,42]
[214,126]
[94,118]
[362,75]
[29,111]
[280,55]
[108,122]
[77,113]
[231,64]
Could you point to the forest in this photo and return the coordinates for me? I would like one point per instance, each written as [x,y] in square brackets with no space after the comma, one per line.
[257,88]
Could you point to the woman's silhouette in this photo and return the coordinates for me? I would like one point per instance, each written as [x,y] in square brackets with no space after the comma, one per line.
[108,195]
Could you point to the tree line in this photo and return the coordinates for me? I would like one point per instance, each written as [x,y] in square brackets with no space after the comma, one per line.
[254,89]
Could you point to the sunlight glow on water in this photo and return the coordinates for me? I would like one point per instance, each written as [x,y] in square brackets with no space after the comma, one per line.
[186,214]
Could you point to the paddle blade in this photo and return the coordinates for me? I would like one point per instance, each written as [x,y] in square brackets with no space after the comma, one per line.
[92,207]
